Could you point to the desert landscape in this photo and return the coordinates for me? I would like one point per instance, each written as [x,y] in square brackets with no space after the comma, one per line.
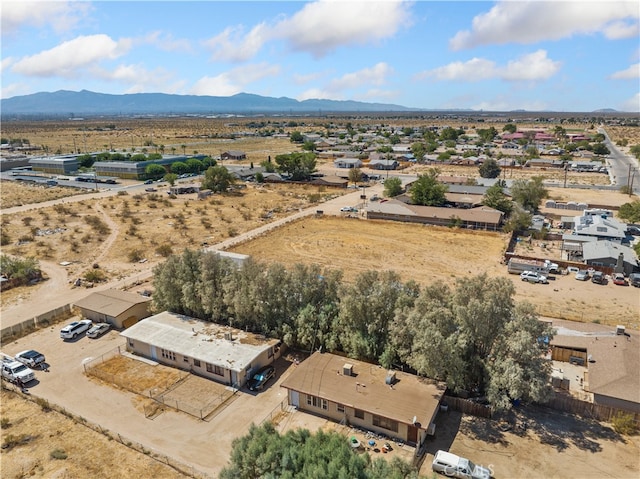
[108,237]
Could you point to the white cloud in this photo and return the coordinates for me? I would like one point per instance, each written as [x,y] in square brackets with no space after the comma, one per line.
[507,104]
[235,80]
[6,63]
[318,28]
[60,16]
[166,42]
[631,73]
[475,69]
[230,45]
[534,66]
[324,26]
[378,95]
[14,89]
[376,75]
[317,93]
[632,104]
[529,22]
[300,79]
[66,59]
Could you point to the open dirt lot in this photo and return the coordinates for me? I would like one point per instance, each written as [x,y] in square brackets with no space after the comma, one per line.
[427,254]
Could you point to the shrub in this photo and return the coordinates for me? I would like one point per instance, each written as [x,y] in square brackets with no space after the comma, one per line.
[624,424]
[135,255]
[5,423]
[58,454]
[44,404]
[165,250]
[95,276]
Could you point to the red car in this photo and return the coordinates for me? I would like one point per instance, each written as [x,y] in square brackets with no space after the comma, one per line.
[619,279]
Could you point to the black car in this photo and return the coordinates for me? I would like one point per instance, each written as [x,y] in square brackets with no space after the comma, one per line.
[598,278]
[259,379]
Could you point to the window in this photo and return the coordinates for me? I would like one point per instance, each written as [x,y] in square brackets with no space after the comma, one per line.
[317,402]
[385,423]
[130,343]
[168,354]
[359,413]
[196,363]
[186,359]
[212,368]
[340,407]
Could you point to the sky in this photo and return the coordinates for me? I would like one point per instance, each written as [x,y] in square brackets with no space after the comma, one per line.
[568,56]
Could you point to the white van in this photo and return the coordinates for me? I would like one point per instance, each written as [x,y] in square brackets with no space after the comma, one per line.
[459,467]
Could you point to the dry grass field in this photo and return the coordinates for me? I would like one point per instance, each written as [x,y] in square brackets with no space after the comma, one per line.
[14,193]
[119,231]
[50,445]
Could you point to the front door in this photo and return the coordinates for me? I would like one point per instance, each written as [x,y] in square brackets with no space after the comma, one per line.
[412,435]
[154,355]
[295,398]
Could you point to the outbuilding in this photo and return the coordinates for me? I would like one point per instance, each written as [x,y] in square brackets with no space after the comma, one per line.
[119,308]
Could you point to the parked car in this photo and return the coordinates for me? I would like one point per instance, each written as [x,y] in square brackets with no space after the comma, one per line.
[572,269]
[259,379]
[598,277]
[348,209]
[619,279]
[150,190]
[148,182]
[30,358]
[582,275]
[98,330]
[533,277]
[634,279]
[74,329]
[16,372]
[452,465]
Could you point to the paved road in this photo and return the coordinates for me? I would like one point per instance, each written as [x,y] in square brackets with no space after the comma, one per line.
[622,166]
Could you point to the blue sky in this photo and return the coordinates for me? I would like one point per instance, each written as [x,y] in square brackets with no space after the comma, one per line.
[506,55]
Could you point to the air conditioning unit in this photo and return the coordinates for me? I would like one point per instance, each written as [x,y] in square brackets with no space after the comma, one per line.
[391,378]
[431,430]
[347,369]
[620,330]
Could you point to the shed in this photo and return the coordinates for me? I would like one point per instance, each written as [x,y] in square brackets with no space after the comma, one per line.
[119,308]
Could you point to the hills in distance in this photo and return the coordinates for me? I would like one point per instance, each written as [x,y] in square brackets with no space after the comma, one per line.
[87,103]
[71,103]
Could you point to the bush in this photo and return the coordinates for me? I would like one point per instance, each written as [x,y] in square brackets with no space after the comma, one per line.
[135,255]
[164,250]
[95,276]
[624,424]
[58,454]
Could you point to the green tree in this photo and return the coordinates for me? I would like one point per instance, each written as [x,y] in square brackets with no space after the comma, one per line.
[467,336]
[635,151]
[427,190]
[217,179]
[154,171]
[519,219]
[392,187]
[179,168]
[495,198]
[510,127]
[171,178]
[449,133]
[600,149]
[309,146]
[489,168]
[487,134]
[296,137]
[529,193]
[299,166]
[195,165]
[418,150]
[20,270]
[630,211]
[355,175]
[86,161]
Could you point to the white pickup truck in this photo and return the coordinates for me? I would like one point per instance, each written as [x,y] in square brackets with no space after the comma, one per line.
[16,372]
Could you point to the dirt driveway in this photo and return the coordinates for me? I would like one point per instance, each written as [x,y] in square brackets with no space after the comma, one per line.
[206,445]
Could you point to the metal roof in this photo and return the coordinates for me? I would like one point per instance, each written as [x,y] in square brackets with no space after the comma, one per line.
[200,340]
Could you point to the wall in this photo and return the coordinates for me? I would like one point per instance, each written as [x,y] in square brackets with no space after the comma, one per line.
[40,321]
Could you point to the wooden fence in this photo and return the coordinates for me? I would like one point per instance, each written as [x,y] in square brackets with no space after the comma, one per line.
[467,407]
[599,412]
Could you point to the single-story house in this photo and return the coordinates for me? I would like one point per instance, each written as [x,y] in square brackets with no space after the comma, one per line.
[119,308]
[397,404]
[608,253]
[347,163]
[611,356]
[383,164]
[482,217]
[600,227]
[330,180]
[233,155]
[221,353]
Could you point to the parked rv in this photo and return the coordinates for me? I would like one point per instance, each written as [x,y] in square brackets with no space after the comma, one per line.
[518,266]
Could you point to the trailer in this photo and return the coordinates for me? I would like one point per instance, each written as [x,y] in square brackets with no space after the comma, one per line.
[518,265]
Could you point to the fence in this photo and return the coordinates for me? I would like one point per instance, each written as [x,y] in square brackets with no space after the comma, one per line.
[276,411]
[599,412]
[28,326]
[467,407]
[179,466]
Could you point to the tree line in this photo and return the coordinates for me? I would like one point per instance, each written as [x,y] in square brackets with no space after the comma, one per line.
[473,336]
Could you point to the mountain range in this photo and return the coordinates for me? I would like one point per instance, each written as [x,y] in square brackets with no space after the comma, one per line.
[88,103]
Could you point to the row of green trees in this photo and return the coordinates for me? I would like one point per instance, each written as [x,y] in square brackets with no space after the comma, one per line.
[264,452]
[473,336]
[19,270]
